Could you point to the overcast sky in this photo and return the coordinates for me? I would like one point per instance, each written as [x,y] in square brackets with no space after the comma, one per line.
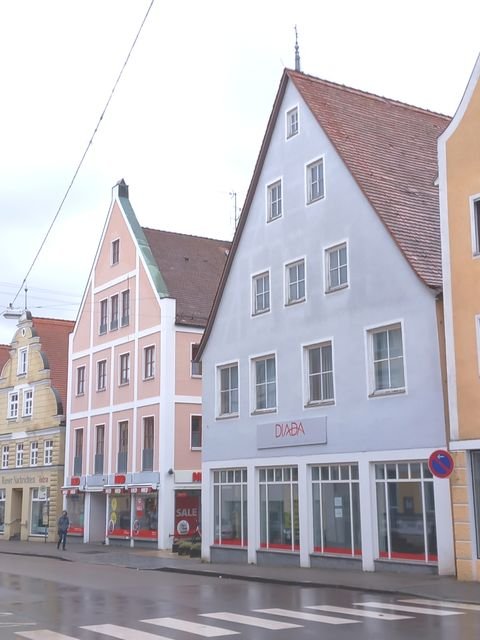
[187,119]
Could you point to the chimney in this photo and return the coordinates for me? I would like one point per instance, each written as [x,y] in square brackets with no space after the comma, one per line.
[121,189]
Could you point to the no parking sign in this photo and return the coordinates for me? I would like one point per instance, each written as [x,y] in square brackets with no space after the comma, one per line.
[440,463]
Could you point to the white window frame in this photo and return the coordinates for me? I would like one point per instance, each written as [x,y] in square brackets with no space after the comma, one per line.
[329,288]
[475,224]
[5,456]
[229,390]
[104,376]
[115,256]
[149,366]
[309,182]
[34,454]
[48,453]
[27,405]
[254,409]
[274,200]
[19,454]
[255,279]
[13,402]
[80,385]
[373,392]
[125,316]
[195,367]
[306,348]
[22,364]
[192,416]
[288,282]
[121,368]
[103,326]
[292,122]
[114,312]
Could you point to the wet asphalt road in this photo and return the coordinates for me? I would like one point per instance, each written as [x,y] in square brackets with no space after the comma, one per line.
[41,598]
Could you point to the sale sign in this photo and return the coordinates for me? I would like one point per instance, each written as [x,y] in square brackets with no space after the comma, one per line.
[187,513]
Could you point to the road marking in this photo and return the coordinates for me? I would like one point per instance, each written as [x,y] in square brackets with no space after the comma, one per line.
[43,634]
[191,627]
[302,615]
[444,603]
[251,620]
[400,607]
[364,614]
[123,633]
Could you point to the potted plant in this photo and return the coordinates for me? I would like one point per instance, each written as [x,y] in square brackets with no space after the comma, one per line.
[196,550]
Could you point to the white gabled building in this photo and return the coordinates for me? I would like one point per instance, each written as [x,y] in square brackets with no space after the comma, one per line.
[322,358]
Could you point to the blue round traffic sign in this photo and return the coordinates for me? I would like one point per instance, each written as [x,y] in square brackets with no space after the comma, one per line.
[440,463]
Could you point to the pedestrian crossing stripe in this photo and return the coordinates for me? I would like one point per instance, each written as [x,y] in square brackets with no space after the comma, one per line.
[302,615]
[444,603]
[408,609]
[192,627]
[123,633]
[253,621]
[376,615]
[43,634]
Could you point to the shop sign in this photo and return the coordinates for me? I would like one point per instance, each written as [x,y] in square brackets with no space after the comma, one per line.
[119,478]
[292,433]
[75,481]
[18,479]
[187,511]
[196,476]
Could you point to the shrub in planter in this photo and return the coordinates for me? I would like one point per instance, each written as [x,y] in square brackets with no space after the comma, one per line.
[175,544]
[196,550]
[184,548]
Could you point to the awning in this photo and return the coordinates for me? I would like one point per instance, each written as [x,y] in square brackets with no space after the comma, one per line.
[69,492]
[142,489]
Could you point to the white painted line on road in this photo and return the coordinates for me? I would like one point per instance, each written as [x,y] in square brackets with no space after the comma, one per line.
[191,627]
[6,613]
[302,615]
[444,603]
[400,607]
[252,621]
[43,634]
[123,633]
[356,612]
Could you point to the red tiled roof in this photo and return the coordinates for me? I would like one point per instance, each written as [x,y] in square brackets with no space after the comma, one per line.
[390,149]
[4,355]
[53,334]
[191,267]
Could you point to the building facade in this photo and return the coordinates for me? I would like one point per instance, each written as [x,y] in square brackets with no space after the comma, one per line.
[33,386]
[459,181]
[134,432]
[322,358]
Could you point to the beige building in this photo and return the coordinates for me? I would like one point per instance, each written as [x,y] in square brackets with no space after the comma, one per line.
[33,384]
[459,182]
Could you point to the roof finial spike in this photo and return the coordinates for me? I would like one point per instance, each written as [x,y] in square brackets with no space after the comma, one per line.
[297,52]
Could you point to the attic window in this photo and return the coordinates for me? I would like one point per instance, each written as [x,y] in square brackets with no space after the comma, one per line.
[292,122]
[115,251]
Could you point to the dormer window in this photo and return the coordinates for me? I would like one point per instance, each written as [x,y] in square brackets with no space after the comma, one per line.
[22,361]
[292,122]
[115,251]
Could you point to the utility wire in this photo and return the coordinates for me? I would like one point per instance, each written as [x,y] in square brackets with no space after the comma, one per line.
[84,153]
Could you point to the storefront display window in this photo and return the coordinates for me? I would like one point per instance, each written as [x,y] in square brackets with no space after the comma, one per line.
[279,523]
[40,515]
[336,510]
[230,507]
[119,515]
[145,518]
[76,509]
[2,510]
[406,511]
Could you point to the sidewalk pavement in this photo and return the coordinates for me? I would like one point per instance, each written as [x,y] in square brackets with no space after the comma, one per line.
[402,582]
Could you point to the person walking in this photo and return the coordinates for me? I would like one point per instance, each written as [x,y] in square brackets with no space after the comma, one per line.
[63,524]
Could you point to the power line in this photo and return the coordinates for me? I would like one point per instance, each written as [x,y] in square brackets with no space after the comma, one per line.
[84,153]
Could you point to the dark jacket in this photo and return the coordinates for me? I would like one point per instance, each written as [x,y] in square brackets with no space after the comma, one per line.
[63,524]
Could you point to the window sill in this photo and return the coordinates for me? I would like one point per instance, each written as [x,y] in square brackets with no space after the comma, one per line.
[102,390]
[270,219]
[315,200]
[227,416]
[260,412]
[124,384]
[292,303]
[335,289]
[196,376]
[147,378]
[384,393]
[80,395]
[195,448]
[319,403]
[255,314]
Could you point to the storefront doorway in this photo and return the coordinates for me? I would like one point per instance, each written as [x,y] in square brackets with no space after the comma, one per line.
[187,513]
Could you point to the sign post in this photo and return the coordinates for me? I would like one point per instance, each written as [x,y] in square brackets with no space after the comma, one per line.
[440,463]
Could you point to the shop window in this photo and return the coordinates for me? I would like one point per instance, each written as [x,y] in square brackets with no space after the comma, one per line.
[39,515]
[336,510]
[119,515]
[76,509]
[230,507]
[2,510]
[279,523]
[145,523]
[406,512]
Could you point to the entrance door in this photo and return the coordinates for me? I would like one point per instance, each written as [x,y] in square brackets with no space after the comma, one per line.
[187,513]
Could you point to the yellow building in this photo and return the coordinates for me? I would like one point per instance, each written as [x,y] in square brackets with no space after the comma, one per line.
[459,183]
[33,389]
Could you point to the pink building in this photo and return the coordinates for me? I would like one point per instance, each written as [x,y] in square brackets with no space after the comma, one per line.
[134,426]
